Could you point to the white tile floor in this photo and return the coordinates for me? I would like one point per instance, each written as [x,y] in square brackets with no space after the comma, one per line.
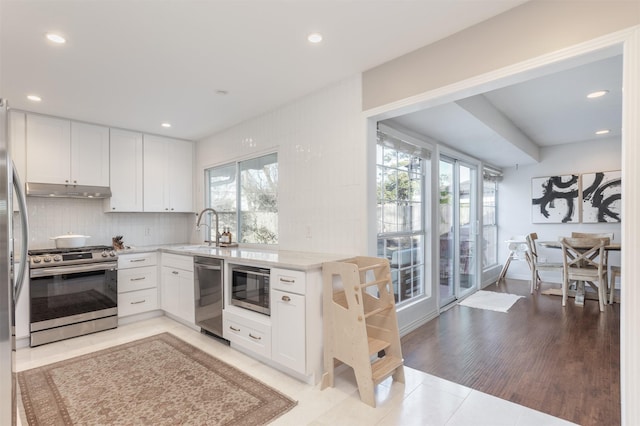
[422,400]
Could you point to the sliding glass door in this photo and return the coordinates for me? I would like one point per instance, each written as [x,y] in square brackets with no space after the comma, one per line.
[458,230]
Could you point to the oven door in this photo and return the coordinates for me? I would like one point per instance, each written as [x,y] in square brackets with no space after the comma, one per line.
[63,295]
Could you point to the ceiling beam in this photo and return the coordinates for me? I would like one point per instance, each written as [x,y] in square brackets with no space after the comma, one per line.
[480,107]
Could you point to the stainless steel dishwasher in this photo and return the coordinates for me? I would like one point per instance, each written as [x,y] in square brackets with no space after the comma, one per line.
[209,294]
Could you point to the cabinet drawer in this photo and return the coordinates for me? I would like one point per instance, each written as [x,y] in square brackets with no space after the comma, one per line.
[177,261]
[288,280]
[126,261]
[137,278]
[136,302]
[243,332]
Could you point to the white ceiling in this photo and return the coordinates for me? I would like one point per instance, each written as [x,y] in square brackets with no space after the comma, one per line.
[548,110]
[135,64]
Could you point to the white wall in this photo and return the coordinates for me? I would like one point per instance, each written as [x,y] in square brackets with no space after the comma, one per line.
[515,198]
[321,160]
[49,217]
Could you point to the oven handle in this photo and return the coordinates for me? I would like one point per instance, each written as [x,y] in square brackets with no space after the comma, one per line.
[60,270]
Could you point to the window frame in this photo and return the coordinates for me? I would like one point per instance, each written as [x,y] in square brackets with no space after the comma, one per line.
[236,225]
[417,268]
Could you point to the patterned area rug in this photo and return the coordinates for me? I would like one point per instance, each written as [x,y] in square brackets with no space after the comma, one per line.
[159,380]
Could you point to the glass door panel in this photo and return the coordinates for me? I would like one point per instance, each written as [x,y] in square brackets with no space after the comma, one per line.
[446,232]
[457,230]
[467,229]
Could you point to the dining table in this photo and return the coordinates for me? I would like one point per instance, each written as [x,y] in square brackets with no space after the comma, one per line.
[579,294]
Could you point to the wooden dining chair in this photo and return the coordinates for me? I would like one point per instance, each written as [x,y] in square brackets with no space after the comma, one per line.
[616,271]
[534,263]
[608,235]
[584,259]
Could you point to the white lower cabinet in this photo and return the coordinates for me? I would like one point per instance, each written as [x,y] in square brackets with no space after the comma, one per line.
[137,283]
[288,330]
[137,302]
[243,331]
[290,338]
[177,292]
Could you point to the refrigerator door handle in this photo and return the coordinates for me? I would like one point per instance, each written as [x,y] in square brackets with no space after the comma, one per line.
[24,260]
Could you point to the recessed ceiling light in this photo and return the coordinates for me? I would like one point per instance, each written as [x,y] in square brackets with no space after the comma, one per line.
[314,38]
[56,38]
[602,132]
[34,98]
[597,94]
[166,124]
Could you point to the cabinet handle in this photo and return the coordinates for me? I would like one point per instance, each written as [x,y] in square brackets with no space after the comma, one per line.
[137,260]
[255,337]
[286,298]
[175,272]
[113,208]
[139,302]
[283,280]
[233,328]
[138,279]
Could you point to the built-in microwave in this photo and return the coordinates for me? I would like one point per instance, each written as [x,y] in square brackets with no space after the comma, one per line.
[250,288]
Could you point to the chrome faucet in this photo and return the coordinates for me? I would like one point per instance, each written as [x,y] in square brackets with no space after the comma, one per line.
[209,209]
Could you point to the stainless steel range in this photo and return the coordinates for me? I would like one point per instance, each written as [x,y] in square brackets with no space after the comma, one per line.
[73,291]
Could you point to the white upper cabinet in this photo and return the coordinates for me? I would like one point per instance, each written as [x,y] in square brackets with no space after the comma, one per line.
[125,172]
[89,154]
[65,152]
[48,149]
[168,174]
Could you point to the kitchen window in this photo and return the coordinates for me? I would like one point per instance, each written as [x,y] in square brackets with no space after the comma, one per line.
[245,195]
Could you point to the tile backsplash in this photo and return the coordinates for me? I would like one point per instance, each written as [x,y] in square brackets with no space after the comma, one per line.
[50,217]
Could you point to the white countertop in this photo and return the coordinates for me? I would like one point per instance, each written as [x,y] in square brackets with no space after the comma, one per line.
[277,258]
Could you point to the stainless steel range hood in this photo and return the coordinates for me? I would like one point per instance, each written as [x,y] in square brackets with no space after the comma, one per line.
[67,191]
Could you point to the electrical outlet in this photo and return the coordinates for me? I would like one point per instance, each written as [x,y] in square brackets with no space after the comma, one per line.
[147,231]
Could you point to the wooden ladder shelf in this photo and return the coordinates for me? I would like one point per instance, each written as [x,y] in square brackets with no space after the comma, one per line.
[360,323]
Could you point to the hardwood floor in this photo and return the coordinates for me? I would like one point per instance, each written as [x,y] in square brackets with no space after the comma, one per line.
[561,361]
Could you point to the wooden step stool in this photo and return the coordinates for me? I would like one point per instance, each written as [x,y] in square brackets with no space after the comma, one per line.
[360,323]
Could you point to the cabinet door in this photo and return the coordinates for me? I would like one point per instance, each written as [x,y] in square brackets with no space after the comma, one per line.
[187,297]
[18,146]
[180,169]
[89,154]
[155,174]
[125,171]
[288,330]
[178,295]
[48,149]
[170,290]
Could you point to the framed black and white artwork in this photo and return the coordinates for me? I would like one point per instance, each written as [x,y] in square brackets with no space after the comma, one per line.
[601,197]
[554,199]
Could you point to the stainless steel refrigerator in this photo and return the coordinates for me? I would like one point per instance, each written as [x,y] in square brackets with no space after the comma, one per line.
[10,279]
